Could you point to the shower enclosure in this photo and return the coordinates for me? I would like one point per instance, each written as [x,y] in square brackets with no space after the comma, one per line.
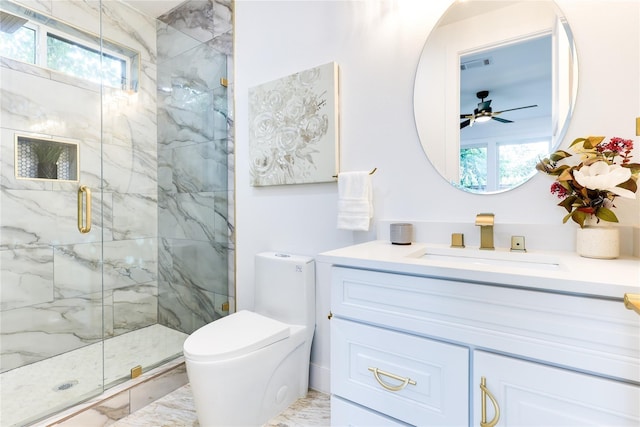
[123,245]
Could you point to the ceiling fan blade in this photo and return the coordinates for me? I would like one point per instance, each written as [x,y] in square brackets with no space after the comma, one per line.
[513,109]
[501,120]
[465,124]
[465,116]
[482,106]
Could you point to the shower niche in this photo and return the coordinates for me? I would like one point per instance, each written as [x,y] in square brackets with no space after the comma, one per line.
[44,158]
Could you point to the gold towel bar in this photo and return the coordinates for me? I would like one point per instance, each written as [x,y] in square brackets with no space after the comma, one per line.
[370,173]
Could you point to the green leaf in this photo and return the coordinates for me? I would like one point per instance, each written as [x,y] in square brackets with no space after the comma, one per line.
[629,184]
[559,155]
[606,215]
[577,141]
[579,217]
[567,203]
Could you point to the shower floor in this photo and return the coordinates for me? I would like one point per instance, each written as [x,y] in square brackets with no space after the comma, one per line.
[44,387]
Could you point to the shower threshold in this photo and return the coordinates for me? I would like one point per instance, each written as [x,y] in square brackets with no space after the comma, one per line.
[39,389]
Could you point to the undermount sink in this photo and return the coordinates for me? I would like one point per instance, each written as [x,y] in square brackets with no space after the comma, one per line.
[498,257]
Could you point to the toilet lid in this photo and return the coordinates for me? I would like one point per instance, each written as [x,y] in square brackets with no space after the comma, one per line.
[233,335]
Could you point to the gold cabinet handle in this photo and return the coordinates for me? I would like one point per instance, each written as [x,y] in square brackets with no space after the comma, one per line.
[632,302]
[483,399]
[84,227]
[404,381]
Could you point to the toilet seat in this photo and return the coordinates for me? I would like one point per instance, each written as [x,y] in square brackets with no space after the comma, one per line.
[234,335]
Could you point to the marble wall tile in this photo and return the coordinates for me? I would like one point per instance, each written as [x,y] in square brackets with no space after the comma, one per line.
[135,216]
[190,275]
[84,14]
[129,262]
[40,218]
[187,216]
[33,104]
[200,167]
[34,333]
[134,307]
[26,277]
[40,5]
[127,26]
[127,170]
[172,42]
[77,269]
[201,19]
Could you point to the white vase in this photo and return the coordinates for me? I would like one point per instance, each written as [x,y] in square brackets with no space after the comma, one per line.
[598,241]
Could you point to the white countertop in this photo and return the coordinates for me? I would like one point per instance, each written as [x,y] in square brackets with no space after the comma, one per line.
[564,272]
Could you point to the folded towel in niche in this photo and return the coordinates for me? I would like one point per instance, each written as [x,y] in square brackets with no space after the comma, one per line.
[355,207]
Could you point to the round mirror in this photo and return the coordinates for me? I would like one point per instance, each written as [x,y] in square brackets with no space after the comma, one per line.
[494,91]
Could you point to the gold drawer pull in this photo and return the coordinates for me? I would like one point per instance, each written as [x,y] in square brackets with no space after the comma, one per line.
[483,397]
[632,302]
[404,381]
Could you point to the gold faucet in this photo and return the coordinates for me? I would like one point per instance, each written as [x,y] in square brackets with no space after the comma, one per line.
[485,221]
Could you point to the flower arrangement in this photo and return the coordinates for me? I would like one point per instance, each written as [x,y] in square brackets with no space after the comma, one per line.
[589,188]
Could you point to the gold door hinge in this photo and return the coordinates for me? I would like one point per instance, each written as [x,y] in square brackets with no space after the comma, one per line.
[225,306]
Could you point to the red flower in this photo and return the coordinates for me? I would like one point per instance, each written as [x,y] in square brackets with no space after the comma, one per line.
[559,190]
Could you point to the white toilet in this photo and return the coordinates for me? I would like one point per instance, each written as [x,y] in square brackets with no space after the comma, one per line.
[249,366]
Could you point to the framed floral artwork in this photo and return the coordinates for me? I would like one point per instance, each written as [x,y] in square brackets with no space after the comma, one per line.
[293,128]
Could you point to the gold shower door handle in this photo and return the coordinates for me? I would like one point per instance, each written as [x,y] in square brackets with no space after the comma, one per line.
[483,400]
[632,302]
[403,381]
[84,227]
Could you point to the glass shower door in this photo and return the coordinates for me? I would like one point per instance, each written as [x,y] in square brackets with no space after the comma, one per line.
[51,296]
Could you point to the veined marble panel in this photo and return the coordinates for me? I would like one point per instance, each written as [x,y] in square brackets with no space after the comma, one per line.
[40,218]
[26,277]
[34,333]
[134,307]
[127,26]
[135,216]
[187,216]
[190,275]
[83,14]
[78,269]
[200,167]
[127,170]
[223,43]
[40,5]
[206,66]
[172,42]
[201,19]
[129,118]
[33,104]
[187,97]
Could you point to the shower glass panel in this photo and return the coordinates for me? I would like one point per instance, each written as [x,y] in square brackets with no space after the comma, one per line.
[51,294]
[79,311]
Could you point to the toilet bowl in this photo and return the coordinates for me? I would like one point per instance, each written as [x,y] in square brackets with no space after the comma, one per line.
[249,366]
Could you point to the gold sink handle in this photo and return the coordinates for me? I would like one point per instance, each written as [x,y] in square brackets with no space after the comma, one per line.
[632,302]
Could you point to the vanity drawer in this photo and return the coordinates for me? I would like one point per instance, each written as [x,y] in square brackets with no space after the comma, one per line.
[437,393]
[590,334]
[345,413]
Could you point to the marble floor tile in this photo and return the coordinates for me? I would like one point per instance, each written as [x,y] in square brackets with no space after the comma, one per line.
[49,385]
[177,410]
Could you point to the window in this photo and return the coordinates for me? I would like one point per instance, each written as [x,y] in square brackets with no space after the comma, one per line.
[49,43]
[19,45]
[497,166]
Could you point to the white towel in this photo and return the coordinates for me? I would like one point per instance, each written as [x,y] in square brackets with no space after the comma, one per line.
[355,207]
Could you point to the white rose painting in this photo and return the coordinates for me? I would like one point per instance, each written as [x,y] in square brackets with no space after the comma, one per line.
[293,128]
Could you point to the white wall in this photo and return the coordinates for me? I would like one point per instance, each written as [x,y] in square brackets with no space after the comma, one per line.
[377,45]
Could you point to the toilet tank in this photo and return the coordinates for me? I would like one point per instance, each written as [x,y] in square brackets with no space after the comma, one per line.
[285,287]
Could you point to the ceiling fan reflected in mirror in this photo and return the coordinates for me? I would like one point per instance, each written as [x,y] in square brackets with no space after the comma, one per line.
[484,113]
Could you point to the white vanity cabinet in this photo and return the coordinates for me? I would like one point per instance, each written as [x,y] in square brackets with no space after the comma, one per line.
[409,349]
